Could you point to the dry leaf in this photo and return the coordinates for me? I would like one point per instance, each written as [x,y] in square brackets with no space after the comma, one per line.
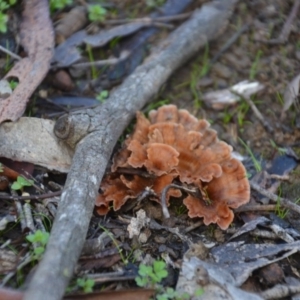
[73,21]
[32,140]
[67,53]
[37,39]
[104,36]
[221,99]
[291,92]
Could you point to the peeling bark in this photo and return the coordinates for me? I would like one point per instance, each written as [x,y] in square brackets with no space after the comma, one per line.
[94,132]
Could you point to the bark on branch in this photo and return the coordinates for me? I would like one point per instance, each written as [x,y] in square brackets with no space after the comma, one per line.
[95,132]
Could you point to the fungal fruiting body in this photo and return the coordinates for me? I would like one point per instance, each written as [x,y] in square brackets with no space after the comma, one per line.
[172,145]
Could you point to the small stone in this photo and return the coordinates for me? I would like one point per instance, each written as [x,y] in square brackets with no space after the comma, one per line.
[62,80]
[237,62]
[271,274]
[269,11]
[160,239]
[205,82]
[162,248]
[298,55]
[221,84]
[222,71]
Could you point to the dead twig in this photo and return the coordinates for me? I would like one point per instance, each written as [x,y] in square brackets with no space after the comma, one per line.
[155,226]
[104,62]
[178,17]
[280,291]
[112,276]
[283,201]
[256,112]
[258,207]
[284,35]
[30,197]
[230,42]
[15,56]
[28,217]
[164,196]
[193,226]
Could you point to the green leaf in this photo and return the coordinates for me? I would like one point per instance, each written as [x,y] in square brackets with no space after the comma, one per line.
[38,237]
[86,284]
[162,297]
[199,292]
[159,265]
[160,270]
[38,251]
[141,281]
[145,270]
[96,13]
[3,6]
[3,22]
[24,182]
[15,186]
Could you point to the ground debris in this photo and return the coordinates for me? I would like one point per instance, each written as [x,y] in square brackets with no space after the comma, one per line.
[209,281]
[25,140]
[240,259]
[37,38]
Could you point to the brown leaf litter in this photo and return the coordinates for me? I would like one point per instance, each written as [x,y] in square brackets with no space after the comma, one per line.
[37,39]
[175,146]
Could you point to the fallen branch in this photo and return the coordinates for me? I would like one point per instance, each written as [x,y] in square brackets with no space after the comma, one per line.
[95,132]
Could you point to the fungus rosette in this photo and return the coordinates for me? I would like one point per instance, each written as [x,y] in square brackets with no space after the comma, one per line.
[171,145]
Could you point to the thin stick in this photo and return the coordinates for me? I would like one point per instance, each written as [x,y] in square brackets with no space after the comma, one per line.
[284,35]
[230,42]
[104,62]
[283,201]
[15,56]
[270,207]
[31,197]
[257,113]
[280,291]
[164,196]
[150,20]
[139,172]
[193,226]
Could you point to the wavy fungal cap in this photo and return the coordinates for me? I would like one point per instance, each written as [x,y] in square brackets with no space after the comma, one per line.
[171,145]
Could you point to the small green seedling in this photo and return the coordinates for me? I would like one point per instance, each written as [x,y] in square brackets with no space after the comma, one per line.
[280,150]
[40,240]
[13,84]
[86,284]
[150,276]
[21,183]
[154,3]
[97,13]
[256,163]
[102,96]
[59,4]
[4,5]
[254,66]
